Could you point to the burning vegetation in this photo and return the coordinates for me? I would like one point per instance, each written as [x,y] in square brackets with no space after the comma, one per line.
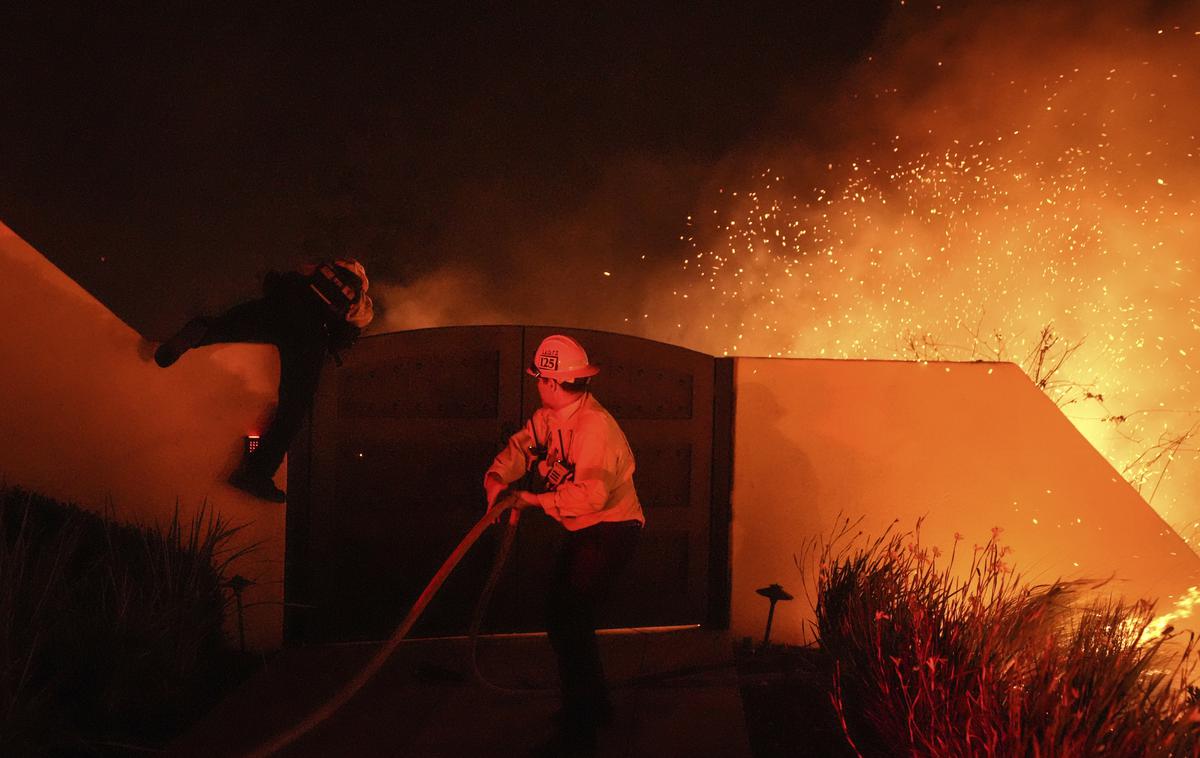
[926,659]
[992,194]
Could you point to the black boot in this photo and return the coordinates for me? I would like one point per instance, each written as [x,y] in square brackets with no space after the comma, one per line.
[259,485]
[185,339]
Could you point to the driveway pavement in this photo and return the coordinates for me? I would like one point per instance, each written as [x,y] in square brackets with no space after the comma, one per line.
[680,698]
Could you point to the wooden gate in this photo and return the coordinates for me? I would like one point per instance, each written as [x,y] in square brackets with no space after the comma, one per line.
[388,479]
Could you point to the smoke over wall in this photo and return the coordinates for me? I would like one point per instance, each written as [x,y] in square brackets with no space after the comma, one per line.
[984,174]
[590,262]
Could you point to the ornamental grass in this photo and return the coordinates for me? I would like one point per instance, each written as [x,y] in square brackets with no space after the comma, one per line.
[110,634]
[954,654]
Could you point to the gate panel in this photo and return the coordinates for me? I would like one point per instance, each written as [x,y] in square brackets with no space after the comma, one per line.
[399,440]
[388,480]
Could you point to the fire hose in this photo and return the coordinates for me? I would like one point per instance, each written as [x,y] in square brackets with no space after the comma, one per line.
[485,598]
[366,673]
[331,706]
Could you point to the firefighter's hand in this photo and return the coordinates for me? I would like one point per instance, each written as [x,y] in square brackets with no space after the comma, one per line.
[523,500]
[494,486]
[501,507]
[342,336]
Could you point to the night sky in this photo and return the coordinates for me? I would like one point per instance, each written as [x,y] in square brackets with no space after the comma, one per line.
[900,179]
[167,159]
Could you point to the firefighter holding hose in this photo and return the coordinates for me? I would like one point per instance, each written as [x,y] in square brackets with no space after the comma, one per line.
[582,474]
[319,308]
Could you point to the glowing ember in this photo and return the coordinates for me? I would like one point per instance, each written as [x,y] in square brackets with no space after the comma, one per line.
[1017,189]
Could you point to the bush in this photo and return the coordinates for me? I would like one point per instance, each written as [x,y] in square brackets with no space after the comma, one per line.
[106,630]
[932,662]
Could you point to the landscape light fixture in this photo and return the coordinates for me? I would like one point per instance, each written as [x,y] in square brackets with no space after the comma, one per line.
[774,593]
[239,584]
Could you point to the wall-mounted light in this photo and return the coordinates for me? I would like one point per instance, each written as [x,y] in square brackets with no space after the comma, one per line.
[251,444]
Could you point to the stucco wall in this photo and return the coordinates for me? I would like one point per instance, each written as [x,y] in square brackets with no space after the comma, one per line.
[969,446]
[86,416]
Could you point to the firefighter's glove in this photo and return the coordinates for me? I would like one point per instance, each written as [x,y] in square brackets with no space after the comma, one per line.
[523,500]
[494,486]
[342,336]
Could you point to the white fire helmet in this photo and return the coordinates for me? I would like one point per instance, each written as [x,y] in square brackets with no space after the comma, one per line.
[353,265]
[562,358]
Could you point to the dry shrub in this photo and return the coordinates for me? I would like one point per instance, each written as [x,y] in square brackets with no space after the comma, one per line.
[106,630]
[927,660]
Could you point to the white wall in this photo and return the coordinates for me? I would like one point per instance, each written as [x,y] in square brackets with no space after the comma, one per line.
[967,445]
[86,416]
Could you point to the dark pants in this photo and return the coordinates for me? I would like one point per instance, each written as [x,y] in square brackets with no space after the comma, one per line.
[584,574]
[287,319]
